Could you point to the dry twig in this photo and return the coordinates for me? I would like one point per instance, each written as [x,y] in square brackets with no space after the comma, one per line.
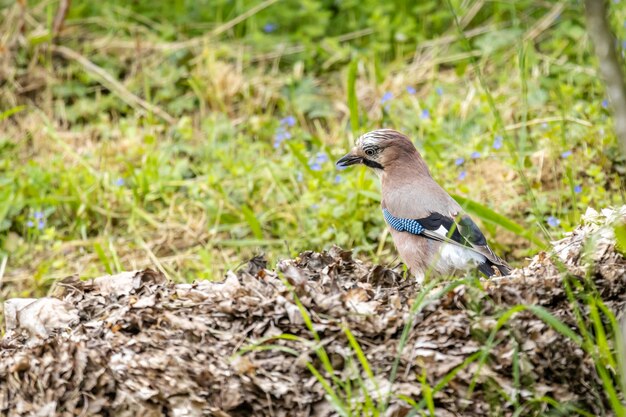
[112,84]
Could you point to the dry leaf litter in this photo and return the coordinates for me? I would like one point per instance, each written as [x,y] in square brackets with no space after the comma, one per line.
[135,344]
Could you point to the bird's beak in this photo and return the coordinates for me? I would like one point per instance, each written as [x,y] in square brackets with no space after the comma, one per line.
[349,159]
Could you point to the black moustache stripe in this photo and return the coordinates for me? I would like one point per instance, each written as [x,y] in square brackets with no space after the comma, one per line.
[372,164]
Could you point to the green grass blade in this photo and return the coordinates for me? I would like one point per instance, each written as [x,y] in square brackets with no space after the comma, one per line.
[115,259]
[609,389]
[340,407]
[410,401]
[319,350]
[364,364]
[353,103]
[427,394]
[571,297]
[371,195]
[555,323]
[359,353]
[620,238]
[620,349]
[104,259]
[6,201]
[8,113]
[446,379]
[450,375]
[301,157]
[516,375]
[366,406]
[488,215]
[255,345]
[602,342]
[253,222]
[560,408]
[606,360]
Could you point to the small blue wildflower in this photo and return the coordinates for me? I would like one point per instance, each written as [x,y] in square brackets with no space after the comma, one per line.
[410,90]
[30,223]
[553,221]
[605,104]
[497,142]
[38,215]
[41,224]
[270,27]
[578,189]
[280,136]
[459,161]
[566,154]
[315,166]
[299,177]
[337,179]
[623,44]
[315,206]
[321,157]
[288,121]
[439,91]
[119,182]
[475,155]
[462,175]
[425,114]
[544,125]
[386,97]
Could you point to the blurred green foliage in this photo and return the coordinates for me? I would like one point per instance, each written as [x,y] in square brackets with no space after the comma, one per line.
[262,108]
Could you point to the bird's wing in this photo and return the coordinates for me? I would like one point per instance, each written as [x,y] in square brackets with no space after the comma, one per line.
[461,231]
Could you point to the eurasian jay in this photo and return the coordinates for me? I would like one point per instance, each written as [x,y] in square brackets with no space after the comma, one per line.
[431,233]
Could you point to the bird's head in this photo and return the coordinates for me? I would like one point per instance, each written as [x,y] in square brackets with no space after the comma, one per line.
[380,150]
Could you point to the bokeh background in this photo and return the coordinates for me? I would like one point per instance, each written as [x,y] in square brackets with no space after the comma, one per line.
[191,135]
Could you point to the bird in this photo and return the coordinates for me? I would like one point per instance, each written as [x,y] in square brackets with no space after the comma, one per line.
[431,232]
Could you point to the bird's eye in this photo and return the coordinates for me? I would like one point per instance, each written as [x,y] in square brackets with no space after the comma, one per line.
[370,152]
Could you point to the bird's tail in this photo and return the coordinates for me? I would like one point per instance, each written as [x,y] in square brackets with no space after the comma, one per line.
[489,268]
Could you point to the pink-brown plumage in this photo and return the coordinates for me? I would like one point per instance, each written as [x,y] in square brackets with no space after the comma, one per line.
[410,192]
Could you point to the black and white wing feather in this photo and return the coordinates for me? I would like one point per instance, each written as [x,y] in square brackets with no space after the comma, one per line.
[462,231]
